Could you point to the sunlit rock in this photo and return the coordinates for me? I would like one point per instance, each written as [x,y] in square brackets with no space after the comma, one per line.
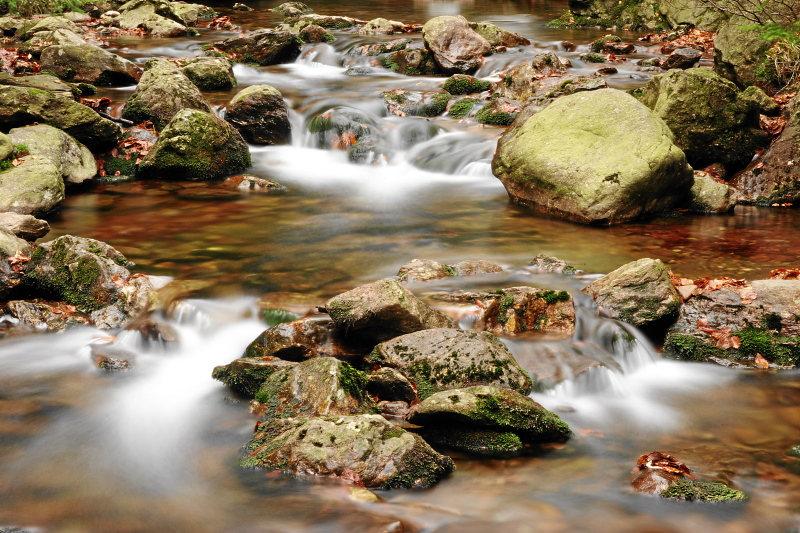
[260,115]
[74,161]
[455,46]
[89,64]
[210,73]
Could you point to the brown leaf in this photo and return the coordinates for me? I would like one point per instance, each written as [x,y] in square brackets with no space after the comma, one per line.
[784,273]
[761,361]
[663,461]
[18,261]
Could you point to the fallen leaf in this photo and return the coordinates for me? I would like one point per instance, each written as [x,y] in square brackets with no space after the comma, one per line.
[761,361]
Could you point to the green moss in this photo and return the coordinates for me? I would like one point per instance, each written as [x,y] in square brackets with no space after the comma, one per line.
[394,97]
[247,381]
[552,297]
[5,165]
[393,433]
[794,451]
[505,304]
[487,115]
[461,108]
[450,270]
[354,382]
[691,490]
[439,104]
[419,467]
[462,84]
[597,44]
[137,110]
[475,440]
[784,351]
[389,63]
[690,348]
[593,58]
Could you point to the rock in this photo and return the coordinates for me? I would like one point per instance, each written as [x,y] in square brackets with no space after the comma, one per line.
[154,333]
[263,47]
[444,359]
[10,273]
[303,339]
[292,9]
[190,14]
[638,293]
[774,177]
[253,183]
[335,22]
[157,17]
[90,64]
[25,227]
[554,264]
[198,146]
[210,73]
[455,46]
[712,196]
[682,58]
[764,317]
[246,376]
[740,52]
[340,128]
[163,91]
[711,120]
[380,26]
[382,310]
[411,62]
[376,49]
[315,34]
[259,114]
[476,268]
[323,386]
[82,272]
[644,15]
[475,440]
[42,82]
[50,24]
[464,84]
[44,39]
[497,36]
[365,447]
[515,310]
[493,408]
[40,316]
[34,187]
[402,102]
[765,104]
[74,161]
[526,81]
[7,148]
[595,157]
[709,491]
[424,270]
[390,384]
[20,107]
[499,112]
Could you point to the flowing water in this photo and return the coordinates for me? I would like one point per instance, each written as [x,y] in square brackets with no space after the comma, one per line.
[155,449]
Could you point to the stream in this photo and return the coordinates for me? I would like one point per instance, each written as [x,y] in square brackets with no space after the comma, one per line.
[155,449]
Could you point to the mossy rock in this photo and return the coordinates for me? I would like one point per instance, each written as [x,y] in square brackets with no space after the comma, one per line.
[464,84]
[210,73]
[86,63]
[692,490]
[246,376]
[260,115]
[475,440]
[34,187]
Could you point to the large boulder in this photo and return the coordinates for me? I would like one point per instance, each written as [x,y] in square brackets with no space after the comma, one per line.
[638,293]
[35,187]
[191,14]
[712,120]
[73,160]
[21,106]
[382,310]
[363,448]
[157,17]
[597,157]
[42,82]
[210,73]
[49,24]
[90,64]
[163,91]
[497,36]
[456,47]
[246,375]
[443,359]
[740,52]
[196,145]
[83,272]
[259,114]
[44,39]
[264,47]
[774,177]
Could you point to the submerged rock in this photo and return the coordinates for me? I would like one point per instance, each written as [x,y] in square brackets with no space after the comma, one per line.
[456,47]
[259,114]
[443,359]
[366,448]
[382,310]
[638,293]
[424,270]
[411,62]
[597,157]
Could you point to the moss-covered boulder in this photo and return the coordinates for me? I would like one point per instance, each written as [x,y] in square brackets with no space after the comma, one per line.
[163,90]
[74,161]
[34,187]
[382,310]
[740,53]
[25,227]
[196,146]
[712,121]
[455,46]
[526,81]
[7,148]
[598,157]
[210,73]
[246,375]
[774,177]
[291,9]
[497,37]
[638,293]
[493,408]
[191,14]
[381,26]
[89,64]
[263,47]
[443,359]
[465,84]
[411,62]
[82,272]
[48,24]
[711,196]
[323,386]
[260,115]
[157,17]
[367,447]
[41,40]
[42,82]
[303,339]
[21,106]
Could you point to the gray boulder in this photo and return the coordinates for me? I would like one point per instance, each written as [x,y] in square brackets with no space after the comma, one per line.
[424,270]
[210,73]
[49,24]
[382,310]
[365,447]
[35,187]
[712,120]
[198,146]
[456,47]
[246,375]
[42,82]
[260,115]
[162,91]
[41,40]
[638,293]
[740,51]
[90,64]
[497,36]
[598,157]
[711,196]
[75,162]
[157,17]
[443,359]
[21,106]
[381,26]
[25,227]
